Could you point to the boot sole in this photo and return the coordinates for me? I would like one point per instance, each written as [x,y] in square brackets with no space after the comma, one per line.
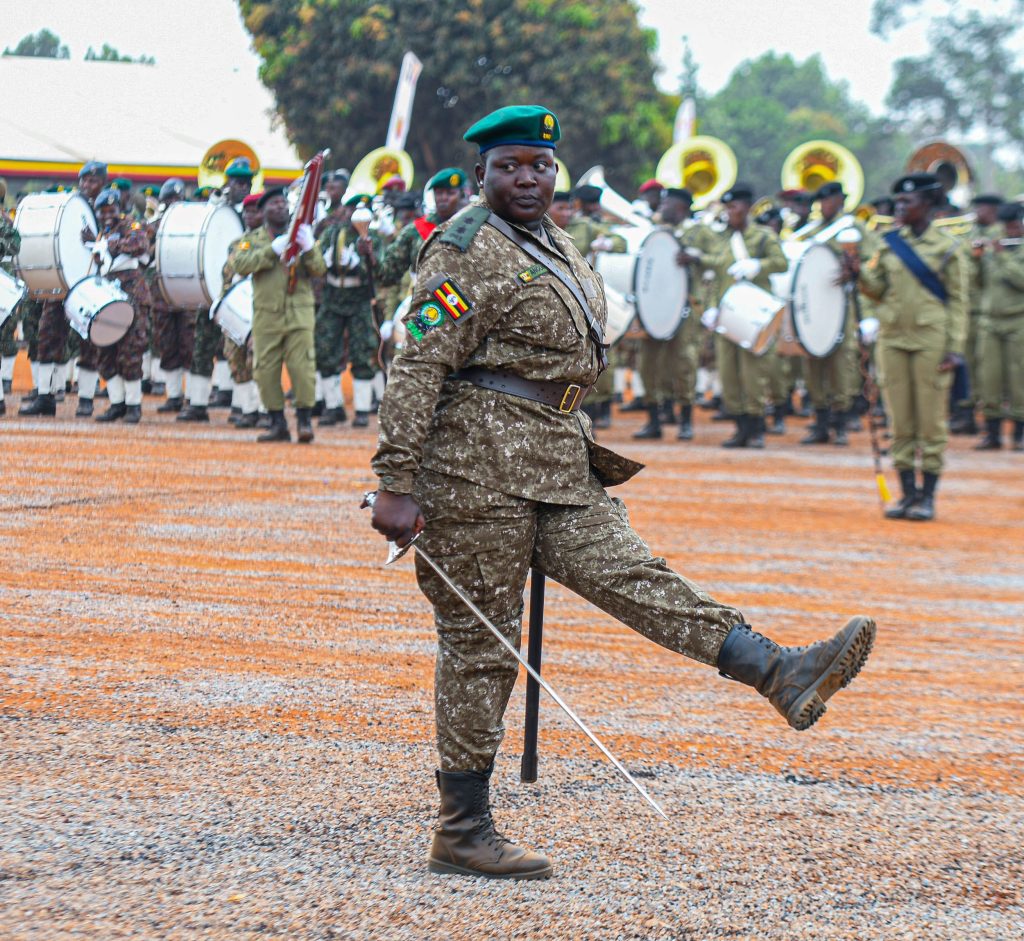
[447,869]
[810,707]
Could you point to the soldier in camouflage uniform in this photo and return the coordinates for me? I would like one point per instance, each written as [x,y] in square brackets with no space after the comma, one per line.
[346,314]
[484,451]
[282,323]
[10,245]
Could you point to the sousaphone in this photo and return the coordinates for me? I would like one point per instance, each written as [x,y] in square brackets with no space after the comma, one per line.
[949,164]
[376,167]
[706,166]
[817,162]
[216,159]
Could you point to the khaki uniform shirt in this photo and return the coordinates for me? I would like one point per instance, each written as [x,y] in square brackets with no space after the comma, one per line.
[520,318]
[911,317]
[1003,282]
[762,243]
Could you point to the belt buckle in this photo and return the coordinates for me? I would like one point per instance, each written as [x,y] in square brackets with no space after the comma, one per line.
[572,392]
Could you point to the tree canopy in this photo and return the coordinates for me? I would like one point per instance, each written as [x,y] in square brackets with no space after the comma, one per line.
[110,54]
[41,45]
[333,66]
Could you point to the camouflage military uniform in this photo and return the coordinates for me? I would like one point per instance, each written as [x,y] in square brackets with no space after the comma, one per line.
[239,357]
[282,323]
[345,312]
[400,256]
[124,358]
[506,482]
[174,331]
[10,244]
[207,345]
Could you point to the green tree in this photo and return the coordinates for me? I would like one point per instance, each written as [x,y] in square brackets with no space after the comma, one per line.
[41,45]
[772,104]
[109,54]
[333,66]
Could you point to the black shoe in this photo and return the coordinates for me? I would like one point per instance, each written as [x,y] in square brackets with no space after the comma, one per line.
[652,430]
[84,409]
[603,421]
[278,430]
[962,421]
[113,412]
[685,430]
[221,399]
[778,424]
[992,440]
[158,388]
[236,413]
[171,405]
[3,406]
[818,432]
[194,413]
[1018,436]
[755,437]
[741,435]
[304,425]
[909,498]
[264,420]
[924,509]
[332,416]
[41,405]
[668,413]
[7,387]
[248,420]
[803,410]
[839,426]
[361,420]
[58,396]
[637,405]
[318,408]
[132,414]
[147,387]
[30,395]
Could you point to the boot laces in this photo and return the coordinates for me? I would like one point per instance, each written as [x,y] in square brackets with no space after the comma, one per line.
[484,825]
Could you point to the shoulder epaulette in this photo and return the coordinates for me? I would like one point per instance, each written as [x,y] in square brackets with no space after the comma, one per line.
[465,226]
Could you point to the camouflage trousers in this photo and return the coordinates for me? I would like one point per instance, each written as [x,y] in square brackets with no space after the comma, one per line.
[30,311]
[239,360]
[344,322]
[486,543]
[53,333]
[8,345]
[174,332]
[207,345]
[124,358]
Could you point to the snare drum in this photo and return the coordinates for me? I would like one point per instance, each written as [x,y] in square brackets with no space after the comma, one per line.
[192,243]
[12,292]
[750,317]
[815,319]
[99,311]
[52,258]
[234,312]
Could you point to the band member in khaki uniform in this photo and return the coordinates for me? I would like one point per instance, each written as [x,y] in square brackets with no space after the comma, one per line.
[483,450]
[919,275]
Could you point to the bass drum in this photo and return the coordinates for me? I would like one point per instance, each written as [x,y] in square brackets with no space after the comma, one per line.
[192,243]
[52,258]
[660,286]
[12,292]
[815,318]
[750,317]
[620,315]
[234,312]
[99,311]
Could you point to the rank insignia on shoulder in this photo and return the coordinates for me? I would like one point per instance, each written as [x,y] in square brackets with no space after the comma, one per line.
[453,300]
[532,273]
[244,246]
[428,317]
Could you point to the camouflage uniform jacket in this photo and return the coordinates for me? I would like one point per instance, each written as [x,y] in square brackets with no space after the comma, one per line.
[272,305]
[332,243]
[911,317]
[10,241]
[128,245]
[518,317]
[400,256]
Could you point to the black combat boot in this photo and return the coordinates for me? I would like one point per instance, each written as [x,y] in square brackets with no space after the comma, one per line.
[3,406]
[132,414]
[992,440]
[668,412]
[221,398]
[194,413]
[909,498]
[924,509]
[247,420]
[818,432]
[465,841]
[778,424]
[304,425]
[278,430]
[171,405]
[604,416]
[235,414]
[962,421]
[685,432]
[755,435]
[318,408]
[652,430]
[332,416]
[1018,435]
[44,404]
[742,435]
[637,405]
[797,681]
[113,412]
[362,420]
[84,409]
[839,423]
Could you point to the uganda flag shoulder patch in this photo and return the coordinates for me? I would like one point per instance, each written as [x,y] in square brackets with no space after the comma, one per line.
[452,299]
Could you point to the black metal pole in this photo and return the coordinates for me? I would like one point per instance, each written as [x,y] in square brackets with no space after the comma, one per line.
[528,768]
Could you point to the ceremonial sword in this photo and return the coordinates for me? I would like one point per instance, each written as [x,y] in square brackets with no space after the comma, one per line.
[395,553]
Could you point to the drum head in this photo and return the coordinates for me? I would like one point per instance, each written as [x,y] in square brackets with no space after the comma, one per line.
[620,315]
[74,258]
[222,226]
[660,286]
[617,270]
[818,303]
[111,323]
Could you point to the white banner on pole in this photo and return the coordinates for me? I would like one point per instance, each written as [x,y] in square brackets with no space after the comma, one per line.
[401,113]
[686,121]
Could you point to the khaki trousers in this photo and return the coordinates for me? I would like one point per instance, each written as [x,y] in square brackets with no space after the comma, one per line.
[1001,358]
[917,395]
[742,375]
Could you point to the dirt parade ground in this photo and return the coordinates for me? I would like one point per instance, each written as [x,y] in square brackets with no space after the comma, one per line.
[217,713]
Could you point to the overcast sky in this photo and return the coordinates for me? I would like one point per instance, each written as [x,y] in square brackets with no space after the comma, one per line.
[207,35]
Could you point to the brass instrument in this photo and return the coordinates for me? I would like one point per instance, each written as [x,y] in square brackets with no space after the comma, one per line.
[618,207]
[817,162]
[949,164]
[216,159]
[706,166]
[374,169]
[563,182]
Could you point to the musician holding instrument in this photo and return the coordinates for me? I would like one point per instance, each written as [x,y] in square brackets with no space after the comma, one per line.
[283,314]
[483,454]
[919,276]
[1001,331]
[745,252]
[239,175]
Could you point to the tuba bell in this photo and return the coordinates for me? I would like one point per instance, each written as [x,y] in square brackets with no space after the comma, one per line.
[216,159]
[706,166]
[563,182]
[817,162]
[614,205]
[374,169]
[949,164]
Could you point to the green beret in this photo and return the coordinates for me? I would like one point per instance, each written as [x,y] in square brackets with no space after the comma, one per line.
[240,166]
[151,189]
[358,199]
[526,125]
[122,184]
[450,178]
[202,193]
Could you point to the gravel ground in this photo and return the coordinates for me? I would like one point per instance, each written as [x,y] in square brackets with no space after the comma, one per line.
[215,712]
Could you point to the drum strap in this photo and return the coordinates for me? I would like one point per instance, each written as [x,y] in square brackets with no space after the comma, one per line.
[550,262]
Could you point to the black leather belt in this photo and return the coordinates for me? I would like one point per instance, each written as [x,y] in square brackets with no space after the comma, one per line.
[566,398]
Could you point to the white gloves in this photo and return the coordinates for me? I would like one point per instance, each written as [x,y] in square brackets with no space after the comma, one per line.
[349,257]
[280,244]
[386,329]
[304,238]
[386,222]
[709,318]
[745,269]
[602,244]
[869,327]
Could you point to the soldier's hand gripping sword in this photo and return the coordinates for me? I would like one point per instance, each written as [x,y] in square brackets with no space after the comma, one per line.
[395,553]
